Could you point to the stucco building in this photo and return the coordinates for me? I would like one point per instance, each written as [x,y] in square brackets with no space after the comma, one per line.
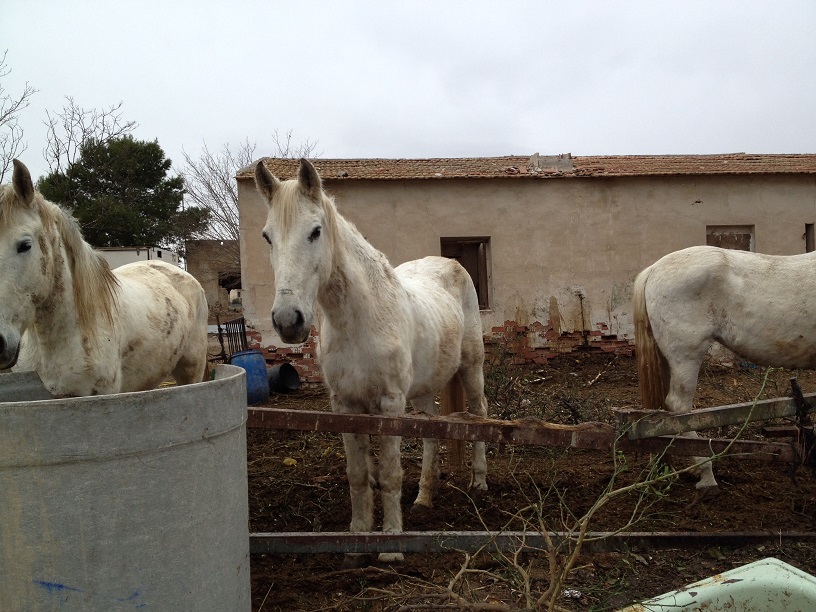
[553,243]
[119,256]
[214,264]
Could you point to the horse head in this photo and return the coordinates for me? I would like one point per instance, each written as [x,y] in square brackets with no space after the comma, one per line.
[25,261]
[299,235]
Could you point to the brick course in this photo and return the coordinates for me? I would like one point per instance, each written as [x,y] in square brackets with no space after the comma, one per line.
[514,339]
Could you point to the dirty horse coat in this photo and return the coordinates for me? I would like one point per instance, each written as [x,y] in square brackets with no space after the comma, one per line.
[85,329]
[762,307]
[387,336]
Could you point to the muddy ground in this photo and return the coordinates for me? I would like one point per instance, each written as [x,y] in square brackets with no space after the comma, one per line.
[297,483]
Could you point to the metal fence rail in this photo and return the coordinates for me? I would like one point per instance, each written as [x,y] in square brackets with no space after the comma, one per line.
[232,338]
[292,543]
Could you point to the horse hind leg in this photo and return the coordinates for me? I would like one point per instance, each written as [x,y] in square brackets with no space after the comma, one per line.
[472,378]
[683,382]
[191,366]
[429,479]
[189,371]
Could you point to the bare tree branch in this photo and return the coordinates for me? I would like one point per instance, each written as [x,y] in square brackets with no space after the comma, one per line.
[71,128]
[285,149]
[11,134]
[210,183]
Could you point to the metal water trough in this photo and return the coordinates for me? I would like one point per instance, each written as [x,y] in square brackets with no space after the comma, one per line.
[133,500]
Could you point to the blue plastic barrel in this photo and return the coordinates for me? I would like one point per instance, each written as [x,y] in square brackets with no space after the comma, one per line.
[256,380]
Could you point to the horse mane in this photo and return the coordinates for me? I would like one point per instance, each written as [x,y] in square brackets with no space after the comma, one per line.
[94,285]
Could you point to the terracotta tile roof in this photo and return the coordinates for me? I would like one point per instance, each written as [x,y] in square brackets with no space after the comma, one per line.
[734,163]
[518,166]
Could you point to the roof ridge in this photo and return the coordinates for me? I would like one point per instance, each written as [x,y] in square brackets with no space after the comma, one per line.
[538,166]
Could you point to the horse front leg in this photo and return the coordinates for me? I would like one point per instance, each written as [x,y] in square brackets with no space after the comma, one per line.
[357,470]
[390,472]
[362,497]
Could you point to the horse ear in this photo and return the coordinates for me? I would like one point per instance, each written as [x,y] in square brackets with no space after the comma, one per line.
[21,179]
[309,179]
[265,181]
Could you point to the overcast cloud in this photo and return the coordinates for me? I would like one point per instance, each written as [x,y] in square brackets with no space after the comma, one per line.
[426,79]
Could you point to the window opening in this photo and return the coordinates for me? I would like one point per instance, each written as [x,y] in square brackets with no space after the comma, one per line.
[473,254]
[738,237]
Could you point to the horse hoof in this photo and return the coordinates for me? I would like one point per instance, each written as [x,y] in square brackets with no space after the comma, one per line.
[356,560]
[706,485]
[422,503]
[705,492]
[419,512]
[480,485]
[391,558]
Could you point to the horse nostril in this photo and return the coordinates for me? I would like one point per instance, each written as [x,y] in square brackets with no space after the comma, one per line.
[2,344]
[298,318]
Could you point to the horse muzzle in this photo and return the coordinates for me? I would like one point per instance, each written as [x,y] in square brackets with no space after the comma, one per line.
[291,324]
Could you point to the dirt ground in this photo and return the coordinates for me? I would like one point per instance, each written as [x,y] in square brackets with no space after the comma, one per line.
[297,483]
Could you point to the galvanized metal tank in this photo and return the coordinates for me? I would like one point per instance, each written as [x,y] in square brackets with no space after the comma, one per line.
[127,501]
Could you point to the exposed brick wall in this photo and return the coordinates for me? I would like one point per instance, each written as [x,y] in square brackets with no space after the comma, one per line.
[526,344]
[303,357]
[537,343]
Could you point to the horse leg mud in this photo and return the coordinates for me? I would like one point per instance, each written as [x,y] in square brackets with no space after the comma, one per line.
[683,383]
[390,477]
[429,479]
[473,380]
[357,448]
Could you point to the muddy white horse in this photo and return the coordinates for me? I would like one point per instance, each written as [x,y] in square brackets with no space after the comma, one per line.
[85,329]
[762,307]
[386,335]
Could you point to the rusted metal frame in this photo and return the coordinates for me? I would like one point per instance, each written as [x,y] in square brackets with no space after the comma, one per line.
[236,335]
[781,452]
[528,431]
[805,434]
[471,541]
[641,424]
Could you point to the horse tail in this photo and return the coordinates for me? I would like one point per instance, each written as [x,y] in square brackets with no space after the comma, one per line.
[652,366]
[453,400]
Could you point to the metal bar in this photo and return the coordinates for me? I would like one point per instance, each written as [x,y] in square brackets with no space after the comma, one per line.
[471,541]
[649,423]
[781,452]
[529,431]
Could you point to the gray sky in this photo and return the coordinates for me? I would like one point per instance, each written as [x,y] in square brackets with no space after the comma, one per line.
[426,79]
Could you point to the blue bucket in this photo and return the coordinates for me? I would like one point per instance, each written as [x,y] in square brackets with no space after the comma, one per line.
[256,380]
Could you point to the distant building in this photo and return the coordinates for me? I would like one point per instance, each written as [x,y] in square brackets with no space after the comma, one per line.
[553,243]
[119,256]
[216,265]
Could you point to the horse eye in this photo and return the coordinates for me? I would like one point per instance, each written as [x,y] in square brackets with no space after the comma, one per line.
[266,237]
[314,235]
[24,246]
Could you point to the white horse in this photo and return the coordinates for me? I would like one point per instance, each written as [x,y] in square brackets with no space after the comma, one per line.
[387,335]
[762,307]
[84,329]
